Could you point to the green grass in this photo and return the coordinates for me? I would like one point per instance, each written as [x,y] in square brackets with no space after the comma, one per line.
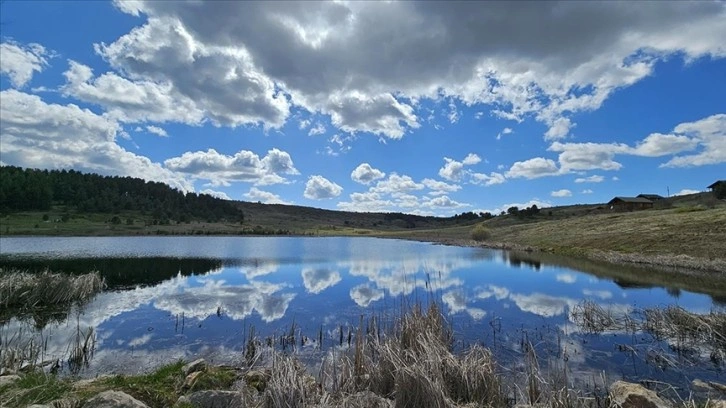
[34,388]
[158,389]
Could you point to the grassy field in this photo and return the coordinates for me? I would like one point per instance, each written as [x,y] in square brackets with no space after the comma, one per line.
[687,229]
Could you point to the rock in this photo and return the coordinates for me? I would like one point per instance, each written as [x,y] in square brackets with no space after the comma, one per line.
[214,399]
[194,366]
[716,404]
[114,399]
[628,395]
[8,379]
[191,379]
[366,399]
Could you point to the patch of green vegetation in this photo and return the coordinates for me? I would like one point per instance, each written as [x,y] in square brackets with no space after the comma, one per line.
[160,388]
[34,388]
[480,233]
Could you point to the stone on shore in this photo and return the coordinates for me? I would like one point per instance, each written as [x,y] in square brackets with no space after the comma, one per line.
[628,395]
[114,399]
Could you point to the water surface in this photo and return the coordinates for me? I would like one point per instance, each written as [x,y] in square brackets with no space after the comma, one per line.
[184,297]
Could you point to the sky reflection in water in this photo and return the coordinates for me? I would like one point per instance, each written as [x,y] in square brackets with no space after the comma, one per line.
[492,297]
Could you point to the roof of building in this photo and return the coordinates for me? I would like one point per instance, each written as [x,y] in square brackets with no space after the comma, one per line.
[630,200]
[651,196]
[716,183]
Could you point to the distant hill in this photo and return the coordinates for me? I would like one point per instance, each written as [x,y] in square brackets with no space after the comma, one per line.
[40,190]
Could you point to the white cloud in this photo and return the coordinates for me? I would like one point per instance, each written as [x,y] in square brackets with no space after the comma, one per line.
[561,193]
[656,145]
[505,131]
[566,278]
[586,191]
[19,62]
[363,295]
[157,131]
[592,179]
[266,197]
[214,193]
[588,156]
[559,129]
[221,81]
[326,57]
[243,166]
[710,133]
[36,134]
[533,168]
[471,159]
[488,180]
[319,188]
[439,187]
[445,202]
[317,280]
[365,174]
[454,170]
[318,129]
[131,101]
[396,184]
[686,191]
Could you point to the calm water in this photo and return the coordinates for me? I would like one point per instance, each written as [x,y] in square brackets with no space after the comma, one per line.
[183,297]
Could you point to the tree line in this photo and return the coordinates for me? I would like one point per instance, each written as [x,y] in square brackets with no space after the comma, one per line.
[40,190]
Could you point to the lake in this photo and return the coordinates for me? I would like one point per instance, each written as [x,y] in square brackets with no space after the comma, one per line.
[184,297]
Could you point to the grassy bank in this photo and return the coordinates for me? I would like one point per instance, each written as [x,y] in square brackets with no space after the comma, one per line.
[410,365]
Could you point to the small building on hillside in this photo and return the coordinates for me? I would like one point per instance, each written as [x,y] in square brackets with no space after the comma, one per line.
[630,204]
[651,197]
[713,186]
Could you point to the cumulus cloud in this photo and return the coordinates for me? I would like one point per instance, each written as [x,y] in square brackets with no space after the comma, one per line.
[327,59]
[220,81]
[586,191]
[488,180]
[262,196]
[471,159]
[36,134]
[559,129]
[439,187]
[561,193]
[505,131]
[317,280]
[363,295]
[592,179]
[243,166]
[445,202]
[157,131]
[396,184]
[19,62]
[130,101]
[533,168]
[214,193]
[365,174]
[453,170]
[318,129]
[710,134]
[319,188]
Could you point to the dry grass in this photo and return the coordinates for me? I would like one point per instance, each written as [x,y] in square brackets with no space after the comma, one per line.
[684,329]
[30,290]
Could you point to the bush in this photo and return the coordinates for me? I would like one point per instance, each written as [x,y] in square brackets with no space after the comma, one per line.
[480,233]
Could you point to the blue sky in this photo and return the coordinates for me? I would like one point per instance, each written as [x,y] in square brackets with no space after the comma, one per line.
[420,107]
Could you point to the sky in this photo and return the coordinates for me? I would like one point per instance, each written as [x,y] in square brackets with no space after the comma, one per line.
[433,108]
